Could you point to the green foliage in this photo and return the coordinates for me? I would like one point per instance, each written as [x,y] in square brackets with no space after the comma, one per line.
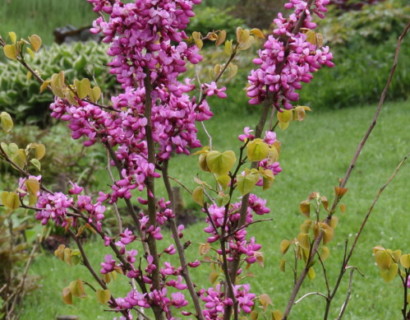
[373,24]
[361,73]
[62,152]
[209,19]
[20,93]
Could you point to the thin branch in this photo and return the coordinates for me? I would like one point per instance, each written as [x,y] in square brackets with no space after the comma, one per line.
[311,294]
[181,184]
[116,212]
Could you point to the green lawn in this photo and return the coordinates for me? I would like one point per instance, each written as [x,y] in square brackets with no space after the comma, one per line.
[315,154]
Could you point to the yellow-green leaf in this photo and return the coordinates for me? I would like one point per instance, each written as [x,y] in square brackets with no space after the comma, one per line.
[10,51]
[103,296]
[228,47]
[35,42]
[220,163]
[284,246]
[213,276]
[221,38]
[36,164]
[265,301]
[20,158]
[224,180]
[389,274]
[303,239]
[6,122]
[282,265]
[10,200]
[32,55]
[405,260]
[198,39]
[33,186]
[285,115]
[246,183]
[242,35]
[383,259]
[83,88]
[257,33]
[59,252]
[277,315]
[311,273]
[77,288]
[95,94]
[13,37]
[40,151]
[257,150]
[198,195]
[304,208]
[328,233]
[254,315]
[283,125]
[67,296]
[57,84]
[324,253]
[204,248]
[44,85]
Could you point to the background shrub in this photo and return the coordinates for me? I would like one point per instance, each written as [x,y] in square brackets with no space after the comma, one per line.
[20,95]
[212,18]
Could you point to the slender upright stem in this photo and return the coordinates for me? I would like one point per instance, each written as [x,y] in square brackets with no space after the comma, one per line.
[150,185]
[180,249]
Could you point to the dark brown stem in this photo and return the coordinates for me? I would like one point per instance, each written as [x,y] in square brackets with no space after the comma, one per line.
[181,253]
[345,179]
[405,294]
[150,185]
[130,207]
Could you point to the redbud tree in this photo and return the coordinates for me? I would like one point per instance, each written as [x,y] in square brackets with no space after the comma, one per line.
[155,116]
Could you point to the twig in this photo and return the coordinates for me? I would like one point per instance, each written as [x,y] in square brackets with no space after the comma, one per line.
[180,183]
[116,212]
[310,294]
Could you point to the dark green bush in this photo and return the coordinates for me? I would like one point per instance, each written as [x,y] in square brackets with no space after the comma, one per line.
[79,163]
[359,77]
[21,96]
[374,23]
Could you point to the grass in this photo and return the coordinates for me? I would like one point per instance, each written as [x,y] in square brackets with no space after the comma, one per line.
[315,154]
[43,16]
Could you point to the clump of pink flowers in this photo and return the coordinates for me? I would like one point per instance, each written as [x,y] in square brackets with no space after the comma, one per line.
[288,59]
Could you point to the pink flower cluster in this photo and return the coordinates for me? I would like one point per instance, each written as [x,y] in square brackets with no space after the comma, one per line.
[216,301]
[53,206]
[288,58]
[238,245]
